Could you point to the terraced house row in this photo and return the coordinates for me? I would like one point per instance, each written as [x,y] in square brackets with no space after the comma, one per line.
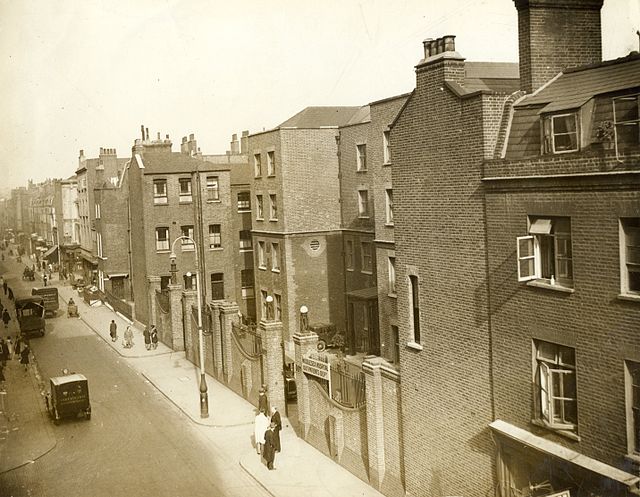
[451,275]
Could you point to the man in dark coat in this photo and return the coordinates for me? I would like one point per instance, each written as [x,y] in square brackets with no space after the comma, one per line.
[113,330]
[4,352]
[275,418]
[4,287]
[263,401]
[10,292]
[269,452]
[6,318]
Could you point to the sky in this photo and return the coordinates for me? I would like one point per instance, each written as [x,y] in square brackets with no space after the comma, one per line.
[86,74]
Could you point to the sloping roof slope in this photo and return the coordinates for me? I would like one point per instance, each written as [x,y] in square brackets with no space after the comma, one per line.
[172,162]
[316,117]
[502,77]
[574,88]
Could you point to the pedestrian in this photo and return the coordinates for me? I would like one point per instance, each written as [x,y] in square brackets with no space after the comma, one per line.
[147,338]
[275,418]
[1,308]
[260,427]
[4,352]
[2,378]
[154,337]
[128,338]
[263,401]
[4,287]
[24,357]
[113,330]
[270,445]
[18,346]
[6,318]
[10,293]
[44,278]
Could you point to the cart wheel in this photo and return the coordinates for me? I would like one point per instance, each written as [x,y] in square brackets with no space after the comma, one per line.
[322,345]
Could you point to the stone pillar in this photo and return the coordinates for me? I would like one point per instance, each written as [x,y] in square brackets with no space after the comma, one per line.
[153,285]
[190,328]
[216,337]
[305,342]
[228,318]
[372,368]
[176,339]
[271,333]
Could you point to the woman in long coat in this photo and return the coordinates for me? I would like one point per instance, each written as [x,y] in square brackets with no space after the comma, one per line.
[275,418]
[6,318]
[147,338]
[24,356]
[270,445]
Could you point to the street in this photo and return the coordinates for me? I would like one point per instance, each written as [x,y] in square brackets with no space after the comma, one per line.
[136,443]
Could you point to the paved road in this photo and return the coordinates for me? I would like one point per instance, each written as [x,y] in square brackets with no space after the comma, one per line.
[136,443]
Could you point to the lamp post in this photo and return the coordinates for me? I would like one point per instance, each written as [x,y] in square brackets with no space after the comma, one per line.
[204,396]
[269,308]
[304,319]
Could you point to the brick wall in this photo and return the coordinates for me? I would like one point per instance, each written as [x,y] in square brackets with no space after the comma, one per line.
[437,149]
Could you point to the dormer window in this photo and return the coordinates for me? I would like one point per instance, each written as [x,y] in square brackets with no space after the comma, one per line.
[560,133]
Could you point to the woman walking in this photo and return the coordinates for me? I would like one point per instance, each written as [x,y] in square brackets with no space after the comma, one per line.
[24,357]
[147,338]
[128,338]
[6,318]
[154,337]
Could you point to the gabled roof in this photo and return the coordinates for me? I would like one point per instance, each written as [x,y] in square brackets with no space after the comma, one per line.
[317,117]
[574,87]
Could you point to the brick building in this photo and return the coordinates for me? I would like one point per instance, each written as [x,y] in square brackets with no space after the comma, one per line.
[296,219]
[172,194]
[563,238]
[69,236]
[447,127]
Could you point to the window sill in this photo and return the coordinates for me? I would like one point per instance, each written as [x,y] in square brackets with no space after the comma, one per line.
[163,251]
[387,164]
[414,345]
[350,269]
[548,286]
[366,272]
[363,217]
[275,270]
[393,295]
[215,249]
[564,433]
[262,268]
[271,175]
[361,170]
[243,211]
[389,225]
[185,201]
[629,297]
[161,203]
[242,251]
[273,219]
[213,201]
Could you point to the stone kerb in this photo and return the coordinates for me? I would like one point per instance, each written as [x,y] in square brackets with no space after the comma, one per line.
[271,333]
[305,343]
[190,328]
[177,328]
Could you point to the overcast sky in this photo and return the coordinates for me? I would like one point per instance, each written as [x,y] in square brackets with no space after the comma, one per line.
[85,74]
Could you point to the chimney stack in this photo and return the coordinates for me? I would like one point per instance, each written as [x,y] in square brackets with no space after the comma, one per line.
[142,130]
[244,142]
[556,35]
[235,145]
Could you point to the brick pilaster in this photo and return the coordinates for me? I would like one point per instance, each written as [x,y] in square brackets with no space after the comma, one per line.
[375,420]
[176,340]
[271,333]
[229,317]
[190,329]
[216,337]
[153,285]
[305,343]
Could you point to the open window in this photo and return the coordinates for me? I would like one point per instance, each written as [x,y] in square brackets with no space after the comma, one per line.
[560,133]
[545,253]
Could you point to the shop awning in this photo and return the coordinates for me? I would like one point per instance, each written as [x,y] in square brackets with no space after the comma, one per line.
[556,450]
[49,254]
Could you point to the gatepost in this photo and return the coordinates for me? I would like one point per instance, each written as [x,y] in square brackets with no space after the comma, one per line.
[271,333]
[177,328]
[190,328]
[372,368]
[216,337]
[229,316]
[154,285]
[305,343]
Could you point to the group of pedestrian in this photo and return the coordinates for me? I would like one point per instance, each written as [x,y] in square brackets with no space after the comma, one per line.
[150,336]
[267,429]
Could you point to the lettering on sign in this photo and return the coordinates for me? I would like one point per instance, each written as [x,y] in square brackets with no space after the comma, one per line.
[565,493]
[316,368]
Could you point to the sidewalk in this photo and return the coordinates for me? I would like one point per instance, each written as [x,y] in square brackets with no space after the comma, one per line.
[300,469]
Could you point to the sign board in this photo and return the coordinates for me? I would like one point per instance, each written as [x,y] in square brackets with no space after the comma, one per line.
[316,368]
[564,493]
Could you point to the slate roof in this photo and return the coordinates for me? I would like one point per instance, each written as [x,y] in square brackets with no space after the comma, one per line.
[173,162]
[502,77]
[575,87]
[316,117]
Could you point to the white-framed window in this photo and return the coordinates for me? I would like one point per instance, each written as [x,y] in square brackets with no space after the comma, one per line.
[273,208]
[555,381]
[213,188]
[277,300]
[367,257]
[632,397]
[363,203]
[545,253]
[190,281]
[348,255]
[386,147]
[259,207]
[215,236]
[185,190]
[361,157]
[630,255]
[271,163]
[98,211]
[99,244]
[392,274]
[262,255]
[257,166]
[187,231]
[244,201]
[626,109]
[560,133]
[263,303]
[245,241]
[389,206]
[414,309]
[160,191]
[162,238]
[275,257]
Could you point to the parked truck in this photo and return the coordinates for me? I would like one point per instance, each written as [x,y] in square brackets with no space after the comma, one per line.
[50,296]
[30,313]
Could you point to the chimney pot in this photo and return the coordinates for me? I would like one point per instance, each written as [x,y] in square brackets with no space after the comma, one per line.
[191,137]
[426,43]
[167,137]
[147,132]
[440,45]
[142,130]
[433,47]
[184,139]
[449,43]
[158,135]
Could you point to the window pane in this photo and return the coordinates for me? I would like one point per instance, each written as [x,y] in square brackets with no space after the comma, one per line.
[547,352]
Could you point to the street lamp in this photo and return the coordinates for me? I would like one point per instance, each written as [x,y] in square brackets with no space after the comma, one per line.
[304,319]
[269,300]
[204,396]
